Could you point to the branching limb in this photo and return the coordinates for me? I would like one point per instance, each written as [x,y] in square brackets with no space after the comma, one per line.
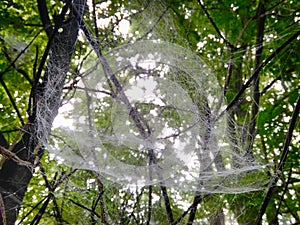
[13,64]
[19,70]
[32,209]
[45,19]
[118,93]
[253,76]
[8,154]
[195,202]
[19,55]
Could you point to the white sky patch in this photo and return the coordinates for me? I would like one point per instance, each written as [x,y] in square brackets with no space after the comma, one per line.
[100,7]
[123,28]
[201,44]
[143,89]
[147,64]
[278,87]
[61,119]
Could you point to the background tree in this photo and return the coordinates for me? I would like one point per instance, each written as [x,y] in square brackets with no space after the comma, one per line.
[251,48]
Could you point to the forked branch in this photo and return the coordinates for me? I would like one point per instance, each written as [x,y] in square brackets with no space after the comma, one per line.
[257,71]
[118,93]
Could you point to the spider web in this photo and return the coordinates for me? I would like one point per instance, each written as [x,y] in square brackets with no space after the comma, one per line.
[157,125]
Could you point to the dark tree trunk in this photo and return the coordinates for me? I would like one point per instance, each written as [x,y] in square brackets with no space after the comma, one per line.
[15,178]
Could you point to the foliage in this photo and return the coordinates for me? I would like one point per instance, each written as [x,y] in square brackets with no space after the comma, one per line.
[238,41]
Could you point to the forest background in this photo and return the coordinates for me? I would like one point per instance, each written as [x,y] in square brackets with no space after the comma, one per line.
[250,53]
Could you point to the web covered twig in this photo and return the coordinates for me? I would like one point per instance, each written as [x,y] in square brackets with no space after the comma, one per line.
[257,71]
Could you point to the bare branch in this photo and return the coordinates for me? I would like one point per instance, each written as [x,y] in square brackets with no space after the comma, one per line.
[19,70]
[283,193]
[86,208]
[10,155]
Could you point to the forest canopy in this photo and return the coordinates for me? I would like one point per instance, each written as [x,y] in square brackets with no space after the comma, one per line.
[149,112]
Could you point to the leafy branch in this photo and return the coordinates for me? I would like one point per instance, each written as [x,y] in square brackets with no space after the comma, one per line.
[283,158]
[257,71]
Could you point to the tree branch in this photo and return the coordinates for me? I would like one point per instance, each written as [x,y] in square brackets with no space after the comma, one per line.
[149,213]
[15,178]
[38,74]
[139,121]
[86,208]
[19,55]
[12,101]
[256,95]
[281,163]
[266,88]
[252,77]
[283,194]
[44,15]
[15,66]
[215,25]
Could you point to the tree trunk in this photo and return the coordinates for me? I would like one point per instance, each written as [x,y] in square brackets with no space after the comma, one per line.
[15,178]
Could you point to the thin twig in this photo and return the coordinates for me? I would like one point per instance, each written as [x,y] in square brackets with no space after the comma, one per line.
[215,25]
[12,101]
[155,24]
[190,208]
[20,54]
[283,193]
[86,208]
[21,71]
[266,88]
[31,210]
[283,158]
[256,95]
[149,213]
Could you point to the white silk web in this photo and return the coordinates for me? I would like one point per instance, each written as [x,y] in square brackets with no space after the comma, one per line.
[145,114]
